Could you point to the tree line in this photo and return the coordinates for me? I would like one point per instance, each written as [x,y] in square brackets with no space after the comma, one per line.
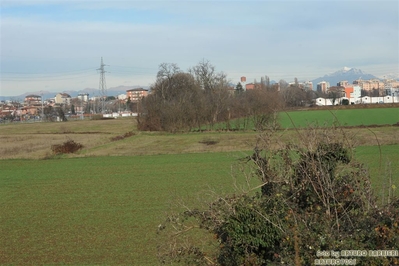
[201,97]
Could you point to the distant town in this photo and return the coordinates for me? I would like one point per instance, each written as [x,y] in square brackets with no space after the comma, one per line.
[35,108]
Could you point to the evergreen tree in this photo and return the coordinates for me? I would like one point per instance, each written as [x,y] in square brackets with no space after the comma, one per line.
[239,89]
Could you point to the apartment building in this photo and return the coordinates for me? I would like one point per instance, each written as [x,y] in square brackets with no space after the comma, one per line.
[33,99]
[62,98]
[84,97]
[343,83]
[136,94]
[323,86]
[370,84]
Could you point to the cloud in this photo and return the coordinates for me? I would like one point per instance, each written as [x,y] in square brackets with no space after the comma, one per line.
[282,39]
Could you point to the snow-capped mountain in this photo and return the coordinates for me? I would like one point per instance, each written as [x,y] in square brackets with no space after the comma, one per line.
[390,76]
[346,73]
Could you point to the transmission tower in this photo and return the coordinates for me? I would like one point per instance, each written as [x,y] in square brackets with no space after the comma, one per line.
[103,86]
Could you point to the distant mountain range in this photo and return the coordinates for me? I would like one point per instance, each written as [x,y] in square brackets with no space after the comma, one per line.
[349,74]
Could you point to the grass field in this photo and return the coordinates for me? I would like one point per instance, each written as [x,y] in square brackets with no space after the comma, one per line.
[383,165]
[105,210]
[345,117]
[103,204]
[326,117]
[102,210]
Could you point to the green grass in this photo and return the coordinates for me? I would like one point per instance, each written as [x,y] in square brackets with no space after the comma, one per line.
[345,117]
[105,210]
[383,165]
[102,210]
[342,117]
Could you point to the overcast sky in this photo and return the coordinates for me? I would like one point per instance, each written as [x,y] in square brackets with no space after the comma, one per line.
[57,45]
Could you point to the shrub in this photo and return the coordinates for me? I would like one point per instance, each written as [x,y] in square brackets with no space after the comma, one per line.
[313,196]
[69,146]
[120,137]
[208,141]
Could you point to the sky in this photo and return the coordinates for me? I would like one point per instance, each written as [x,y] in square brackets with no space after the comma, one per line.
[58,45]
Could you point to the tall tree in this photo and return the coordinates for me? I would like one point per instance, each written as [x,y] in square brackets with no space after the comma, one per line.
[215,86]
[239,89]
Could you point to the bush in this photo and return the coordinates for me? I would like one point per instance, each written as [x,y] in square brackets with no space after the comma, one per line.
[313,196]
[120,137]
[208,141]
[69,146]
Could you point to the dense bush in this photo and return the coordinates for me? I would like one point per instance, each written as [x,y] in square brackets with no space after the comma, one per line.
[69,146]
[313,196]
[345,102]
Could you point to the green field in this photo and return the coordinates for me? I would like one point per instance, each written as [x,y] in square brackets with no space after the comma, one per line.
[103,204]
[345,117]
[326,117]
[105,210]
[102,210]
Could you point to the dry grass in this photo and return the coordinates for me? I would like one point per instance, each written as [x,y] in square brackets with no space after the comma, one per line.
[34,141]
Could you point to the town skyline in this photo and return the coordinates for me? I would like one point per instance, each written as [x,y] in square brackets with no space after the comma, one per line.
[343,74]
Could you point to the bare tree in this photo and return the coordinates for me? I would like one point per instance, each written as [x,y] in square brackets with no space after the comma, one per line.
[166,72]
[294,96]
[215,86]
[174,104]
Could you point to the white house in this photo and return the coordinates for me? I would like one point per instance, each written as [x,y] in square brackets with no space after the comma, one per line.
[381,99]
[327,101]
[121,97]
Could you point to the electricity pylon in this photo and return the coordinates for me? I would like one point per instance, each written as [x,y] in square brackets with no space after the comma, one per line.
[103,86]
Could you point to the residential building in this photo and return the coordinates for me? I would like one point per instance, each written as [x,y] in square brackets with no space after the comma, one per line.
[343,83]
[391,83]
[29,110]
[353,93]
[84,97]
[379,100]
[32,99]
[7,110]
[323,86]
[136,94]
[250,86]
[327,101]
[368,85]
[62,98]
[308,85]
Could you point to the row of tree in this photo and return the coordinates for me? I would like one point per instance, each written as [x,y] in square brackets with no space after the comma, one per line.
[201,97]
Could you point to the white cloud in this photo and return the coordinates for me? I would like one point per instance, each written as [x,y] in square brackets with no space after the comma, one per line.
[281,39]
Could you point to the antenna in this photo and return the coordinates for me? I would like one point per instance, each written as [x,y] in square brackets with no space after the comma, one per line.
[103,85]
